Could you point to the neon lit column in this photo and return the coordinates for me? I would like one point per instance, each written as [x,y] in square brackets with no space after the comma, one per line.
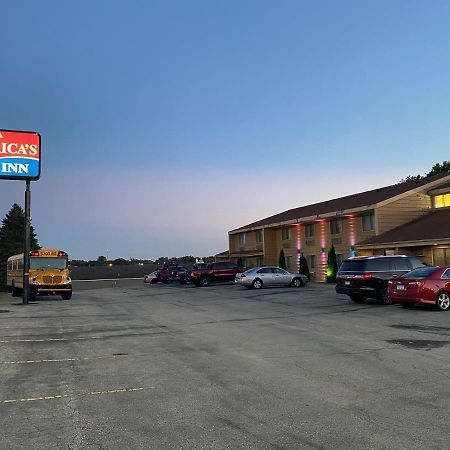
[299,246]
[351,233]
[323,248]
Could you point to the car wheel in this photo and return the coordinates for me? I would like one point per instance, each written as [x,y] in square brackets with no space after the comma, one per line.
[356,298]
[257,284]
[297,282]
[204,281]
[443,301]
[66,295]
[383,297]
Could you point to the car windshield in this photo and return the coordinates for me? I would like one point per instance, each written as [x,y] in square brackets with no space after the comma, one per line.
[48,263]
[422,272]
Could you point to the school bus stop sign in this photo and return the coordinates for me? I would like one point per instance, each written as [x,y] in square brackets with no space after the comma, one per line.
[20,155]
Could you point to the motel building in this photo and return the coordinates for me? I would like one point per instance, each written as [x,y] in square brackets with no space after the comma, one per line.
[411,218]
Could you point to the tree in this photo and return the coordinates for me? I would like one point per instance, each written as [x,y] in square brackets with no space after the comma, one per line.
[120,262]
[282,260]
[12,235]
[439,168]
[435,170]
[304,268]
[332,266]
[101,261]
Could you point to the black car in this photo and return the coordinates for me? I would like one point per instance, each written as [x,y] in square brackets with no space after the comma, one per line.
[178,273]
[367,276]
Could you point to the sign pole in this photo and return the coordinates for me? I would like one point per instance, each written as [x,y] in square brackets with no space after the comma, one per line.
[26,249]
[20,159]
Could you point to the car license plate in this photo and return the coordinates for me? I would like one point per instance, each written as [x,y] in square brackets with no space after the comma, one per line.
[400,287]
[347,283]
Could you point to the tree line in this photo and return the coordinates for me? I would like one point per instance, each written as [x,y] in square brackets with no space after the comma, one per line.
[103,261]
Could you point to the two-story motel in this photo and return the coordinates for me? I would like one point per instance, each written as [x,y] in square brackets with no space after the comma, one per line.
[406,218]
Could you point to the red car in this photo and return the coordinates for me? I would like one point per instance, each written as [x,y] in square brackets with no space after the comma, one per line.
[426,285]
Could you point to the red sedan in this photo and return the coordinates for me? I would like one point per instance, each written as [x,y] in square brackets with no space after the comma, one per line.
[427,285]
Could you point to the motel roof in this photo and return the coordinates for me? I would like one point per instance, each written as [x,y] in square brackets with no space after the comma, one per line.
[347,203]
[431,227]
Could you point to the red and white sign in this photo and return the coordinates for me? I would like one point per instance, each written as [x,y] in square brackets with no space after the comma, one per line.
[20,155]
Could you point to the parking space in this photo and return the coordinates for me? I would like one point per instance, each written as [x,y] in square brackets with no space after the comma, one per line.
[169,366]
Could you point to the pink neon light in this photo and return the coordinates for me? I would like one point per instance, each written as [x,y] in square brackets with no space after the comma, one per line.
[299,245]
[323,244]
[351,230]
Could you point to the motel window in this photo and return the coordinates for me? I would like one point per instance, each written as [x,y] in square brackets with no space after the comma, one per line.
[368,222]
[242,239]
[259,236]
[259,261]
[286,234]
[288,262]
[441,201]
[339,259]
[309,230]
[311,260]
[336,226]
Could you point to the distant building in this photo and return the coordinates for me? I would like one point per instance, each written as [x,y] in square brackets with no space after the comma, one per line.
[406,218]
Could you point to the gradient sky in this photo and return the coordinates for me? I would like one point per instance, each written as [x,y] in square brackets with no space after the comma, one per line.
[167,123]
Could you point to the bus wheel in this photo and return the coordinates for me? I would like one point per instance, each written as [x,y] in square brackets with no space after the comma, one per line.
[66,295]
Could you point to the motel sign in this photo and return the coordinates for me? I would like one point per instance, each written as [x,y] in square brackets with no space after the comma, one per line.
[20,155]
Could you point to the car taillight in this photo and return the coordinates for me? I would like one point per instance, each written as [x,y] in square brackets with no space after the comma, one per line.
[367,276]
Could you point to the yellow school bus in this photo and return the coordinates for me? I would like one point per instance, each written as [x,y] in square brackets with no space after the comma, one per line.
[49,274]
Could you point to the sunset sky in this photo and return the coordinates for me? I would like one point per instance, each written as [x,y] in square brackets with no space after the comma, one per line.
[167,123]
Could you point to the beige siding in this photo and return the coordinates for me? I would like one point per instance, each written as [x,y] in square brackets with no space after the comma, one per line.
[234,243]
[270,247]
[402,211]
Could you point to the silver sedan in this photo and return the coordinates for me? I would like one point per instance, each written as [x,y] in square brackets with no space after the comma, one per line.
[259,277]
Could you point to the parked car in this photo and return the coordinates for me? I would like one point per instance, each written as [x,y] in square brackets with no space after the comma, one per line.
[259,277]
[215,272]
[178,273]
[200,266]
[427,285]
[367,276]
[151,277]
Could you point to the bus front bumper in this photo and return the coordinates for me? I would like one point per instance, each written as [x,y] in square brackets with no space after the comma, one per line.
[51,288]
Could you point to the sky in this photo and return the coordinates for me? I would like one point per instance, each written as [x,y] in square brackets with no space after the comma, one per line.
[165,124]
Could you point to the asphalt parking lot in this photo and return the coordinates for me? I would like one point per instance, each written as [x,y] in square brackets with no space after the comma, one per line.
[178,367]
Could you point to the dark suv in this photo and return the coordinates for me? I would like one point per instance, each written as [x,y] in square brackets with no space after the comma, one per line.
[367,276]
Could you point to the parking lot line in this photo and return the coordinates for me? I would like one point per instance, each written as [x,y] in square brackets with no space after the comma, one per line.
[34,361]
[88,338]
[60,396]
